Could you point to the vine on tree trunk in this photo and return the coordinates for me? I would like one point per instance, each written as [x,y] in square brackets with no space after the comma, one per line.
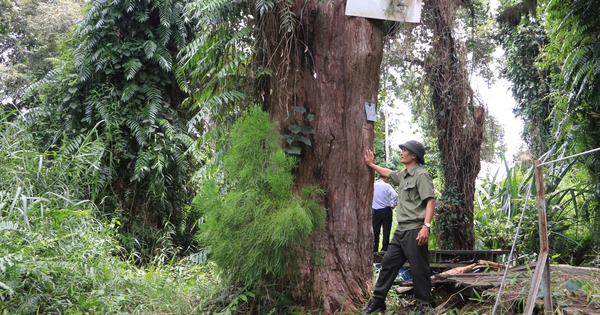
[460,121]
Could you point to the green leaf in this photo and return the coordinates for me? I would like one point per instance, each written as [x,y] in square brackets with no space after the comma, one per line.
[299,109]
[304,139]
[295,128]
[289,138]
[307,129]
[132,67]
[293,149]
[572,286]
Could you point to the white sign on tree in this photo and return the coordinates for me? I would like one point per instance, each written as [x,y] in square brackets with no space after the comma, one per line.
[395,10]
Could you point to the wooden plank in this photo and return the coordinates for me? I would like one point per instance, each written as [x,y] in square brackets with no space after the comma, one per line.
[402,290]
[579,310]
[535,283]
[543,232]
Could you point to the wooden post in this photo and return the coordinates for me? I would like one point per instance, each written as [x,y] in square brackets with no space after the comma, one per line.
[386,140]
[542,268]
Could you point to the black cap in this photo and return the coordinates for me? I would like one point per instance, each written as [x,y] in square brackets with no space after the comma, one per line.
[417,148]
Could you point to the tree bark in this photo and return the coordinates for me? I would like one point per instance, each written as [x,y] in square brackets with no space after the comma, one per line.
[459,121]
[330,67]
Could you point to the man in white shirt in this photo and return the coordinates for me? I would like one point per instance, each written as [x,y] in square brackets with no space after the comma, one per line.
[384,202]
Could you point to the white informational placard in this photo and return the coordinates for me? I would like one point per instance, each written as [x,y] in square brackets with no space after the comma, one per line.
[395,10]
[371,111]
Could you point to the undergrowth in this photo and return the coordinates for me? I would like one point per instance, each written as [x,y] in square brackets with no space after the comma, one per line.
[56,257]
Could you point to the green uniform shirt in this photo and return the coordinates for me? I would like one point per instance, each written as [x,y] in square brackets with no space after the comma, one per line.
[414,188]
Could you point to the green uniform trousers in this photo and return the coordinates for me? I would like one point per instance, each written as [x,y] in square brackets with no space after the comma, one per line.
[402,248]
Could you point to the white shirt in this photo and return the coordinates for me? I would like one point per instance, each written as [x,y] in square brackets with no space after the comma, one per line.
[384,195]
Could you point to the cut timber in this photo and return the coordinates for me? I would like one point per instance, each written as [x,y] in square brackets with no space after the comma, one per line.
[403,290]
[466,271]
[469,268]
[514,295]
[579,310]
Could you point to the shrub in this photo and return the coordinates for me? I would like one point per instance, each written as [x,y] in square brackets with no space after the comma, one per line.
[255,223]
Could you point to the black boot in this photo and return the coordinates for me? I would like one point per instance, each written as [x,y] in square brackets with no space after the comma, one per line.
[374,306]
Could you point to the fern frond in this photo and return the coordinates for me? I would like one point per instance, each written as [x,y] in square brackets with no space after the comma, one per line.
[195,51]
[131,6]
[132,67]
[137,131]
[8,226]
[153,107]
[227,97]
[73,145]
[198,258]
[149,48]
[142,165]
[288,17]
[163,57]
[210,5]
[129,91]
[188,142]
[263,6]
[167,128]
[181,78]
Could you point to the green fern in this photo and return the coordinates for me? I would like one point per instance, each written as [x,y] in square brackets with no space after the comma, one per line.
[8,226]
[150,48]
[129,91]
[154,106]
[264,6]
[132,67]
[288,17]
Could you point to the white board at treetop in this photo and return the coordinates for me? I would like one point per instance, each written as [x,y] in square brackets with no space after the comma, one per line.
[396,10]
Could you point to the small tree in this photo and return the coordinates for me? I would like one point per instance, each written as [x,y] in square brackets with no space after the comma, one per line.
[255,226]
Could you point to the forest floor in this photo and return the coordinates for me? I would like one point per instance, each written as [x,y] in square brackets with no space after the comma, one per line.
[575,290]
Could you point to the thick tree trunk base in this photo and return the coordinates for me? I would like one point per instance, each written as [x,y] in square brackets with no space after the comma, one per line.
[331,68]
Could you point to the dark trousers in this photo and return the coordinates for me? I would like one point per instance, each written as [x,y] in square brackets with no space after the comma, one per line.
[382,218]
[404,248]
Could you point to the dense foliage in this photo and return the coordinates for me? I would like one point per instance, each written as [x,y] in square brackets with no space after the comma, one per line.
[575,49]
[56,257]
[254,223]
[550,53]
[531,85]
[120,80]
[31,32]
[101,160]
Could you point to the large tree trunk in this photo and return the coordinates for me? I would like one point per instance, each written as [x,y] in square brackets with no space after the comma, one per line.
[330,67]
[459,121]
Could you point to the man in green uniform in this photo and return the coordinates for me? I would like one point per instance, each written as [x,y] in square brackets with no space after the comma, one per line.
[416,204]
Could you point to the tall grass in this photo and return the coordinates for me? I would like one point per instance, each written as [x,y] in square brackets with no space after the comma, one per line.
[56,257]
